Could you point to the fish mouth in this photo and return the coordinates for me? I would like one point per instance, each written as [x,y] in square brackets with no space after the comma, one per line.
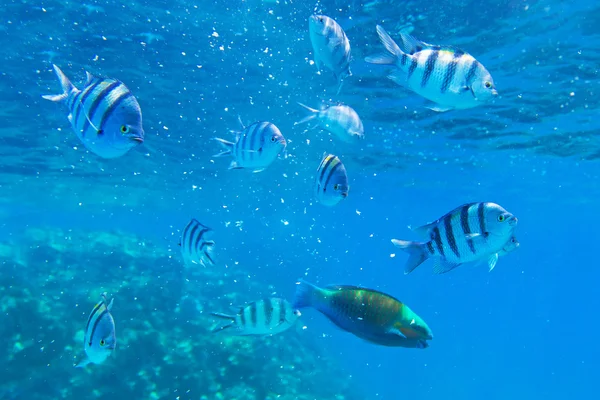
[513,221]
[137,139]
[344,194]
[494,92]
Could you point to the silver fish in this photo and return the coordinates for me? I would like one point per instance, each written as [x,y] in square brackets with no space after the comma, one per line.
[100,339]
[469,233]
[104,115]
[331,47]
[331,183]
[196,248]
[341,120]
[264,317]
[256,147]
[509,247]
[445,75]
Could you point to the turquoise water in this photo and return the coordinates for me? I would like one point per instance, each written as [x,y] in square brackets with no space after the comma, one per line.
[75,225]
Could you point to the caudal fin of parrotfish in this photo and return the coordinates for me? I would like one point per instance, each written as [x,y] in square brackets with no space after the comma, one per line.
[313,114]
[66,84]
[230,318]
[305,294]
[417,253]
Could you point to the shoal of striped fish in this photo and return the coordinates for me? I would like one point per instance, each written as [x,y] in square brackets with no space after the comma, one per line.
[196,246]
[341,120]
[105,116]
[368,314]
[255,148]
[99,340]
[331,47]
[451,78]
[331,182]
[263,317]
[473,232]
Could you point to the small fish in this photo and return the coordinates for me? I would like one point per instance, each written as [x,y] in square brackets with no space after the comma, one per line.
[469,233]
[510,246]
[256,147]
[331,183]
[369,314]
[264,317]
[331,47]
[195,245]
[341,120]
[99,340]
[445,75]
[104,115]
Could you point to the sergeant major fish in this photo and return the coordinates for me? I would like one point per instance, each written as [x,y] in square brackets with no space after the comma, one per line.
[104,115]
[470,233]
[99,340]
[331,47]
[331,183]
[341,120]
[195,244]
[264,317]
[256,147]
[366,313]
[445,75]
[509,247]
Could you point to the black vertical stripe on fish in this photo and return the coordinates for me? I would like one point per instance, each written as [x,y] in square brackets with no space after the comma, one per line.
[268,311]
[472,71]
[464,224]
[243,318]
[243,148]
[331,173]
[449,74]
[96,322]
[113,106]
[197,245]
[438,240]
[79,105]
[412,67]
[209,257]
[282,311]
[253,314]
[429,67]
[190,238]
[450,235]
[72,99]
[330,158]
[96,102]
[403,59]
[94,311]
[481,218]
[430,247]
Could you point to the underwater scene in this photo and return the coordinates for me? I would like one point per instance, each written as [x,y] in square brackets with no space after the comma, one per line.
[312,200]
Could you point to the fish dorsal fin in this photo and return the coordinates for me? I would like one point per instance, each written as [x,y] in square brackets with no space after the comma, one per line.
[109,306]
[241,123]
[89,78]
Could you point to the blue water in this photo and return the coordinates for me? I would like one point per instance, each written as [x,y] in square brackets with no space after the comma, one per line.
[525,330]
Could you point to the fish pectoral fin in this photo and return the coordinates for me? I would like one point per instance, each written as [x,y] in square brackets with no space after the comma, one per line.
[234,165]
[70,118]
[492,261]
[398,77]
[441,265]
[396,331]
[83,363]
[440,109]
[258,170]
[472,235]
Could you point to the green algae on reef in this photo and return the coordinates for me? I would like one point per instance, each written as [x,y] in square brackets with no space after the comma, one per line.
[50,280]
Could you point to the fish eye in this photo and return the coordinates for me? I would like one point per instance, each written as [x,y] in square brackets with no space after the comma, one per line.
[488,84]
[102,342]
[124,129]
[336,186]
[273,139]
[501,218]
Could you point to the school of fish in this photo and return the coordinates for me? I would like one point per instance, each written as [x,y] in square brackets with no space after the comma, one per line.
[107,119]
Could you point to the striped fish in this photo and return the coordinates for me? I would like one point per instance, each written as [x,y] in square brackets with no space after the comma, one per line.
[331,183]
[104,115]
[256,147]
[341,120]
[445,75]
[99,340]
[331,47]
[263,317]
[369,314]
[470,233]
[196,248]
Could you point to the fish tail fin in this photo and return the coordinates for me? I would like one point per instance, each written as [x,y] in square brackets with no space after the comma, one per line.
[306,294]
[313,114]
[231,323]
[227,146]
[66,84]
[417,253]
[83,363]
[394,51]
